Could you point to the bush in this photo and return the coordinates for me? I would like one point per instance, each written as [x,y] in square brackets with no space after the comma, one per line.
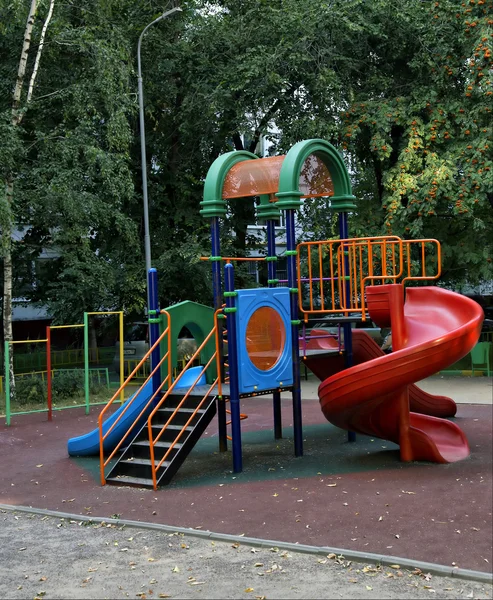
[69,384]
[30,390]
[66,384]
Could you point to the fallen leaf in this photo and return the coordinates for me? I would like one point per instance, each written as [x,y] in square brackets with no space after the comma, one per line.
[38,466]
[275,495]
[248,590]
[175,570]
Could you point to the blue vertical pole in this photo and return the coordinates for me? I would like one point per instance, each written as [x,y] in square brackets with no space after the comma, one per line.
[216,262]
[272,282]
[154,327]
[295,345]
[218,300]
[348,334]
[234,393]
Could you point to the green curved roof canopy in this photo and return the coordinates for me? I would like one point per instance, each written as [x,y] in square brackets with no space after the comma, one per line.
[288,194]
[213,204]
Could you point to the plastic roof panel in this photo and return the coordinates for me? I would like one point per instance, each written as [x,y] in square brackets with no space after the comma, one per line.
[261,176]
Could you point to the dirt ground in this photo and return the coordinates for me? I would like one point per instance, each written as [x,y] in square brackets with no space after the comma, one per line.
[48,557]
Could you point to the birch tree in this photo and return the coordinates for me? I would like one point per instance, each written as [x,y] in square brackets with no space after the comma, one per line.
[8,213]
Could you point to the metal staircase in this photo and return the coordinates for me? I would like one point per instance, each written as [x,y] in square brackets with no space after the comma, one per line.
[168,426]
[177,426]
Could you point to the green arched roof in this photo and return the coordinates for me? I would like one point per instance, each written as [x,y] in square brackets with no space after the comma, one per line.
[289,195]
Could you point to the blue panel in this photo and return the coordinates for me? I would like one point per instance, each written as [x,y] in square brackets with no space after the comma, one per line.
[251,378]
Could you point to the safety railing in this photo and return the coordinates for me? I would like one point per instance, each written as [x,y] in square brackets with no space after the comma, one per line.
[332,274]
[166,380]
[217,381]
[36,360]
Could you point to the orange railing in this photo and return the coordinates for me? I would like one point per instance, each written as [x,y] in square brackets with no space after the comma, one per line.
[103,436]
[154,440]
[333,273]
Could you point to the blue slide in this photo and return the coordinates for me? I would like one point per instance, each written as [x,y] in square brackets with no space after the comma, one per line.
[88,444]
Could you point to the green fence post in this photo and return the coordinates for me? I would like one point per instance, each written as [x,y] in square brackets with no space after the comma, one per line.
[7,381]
[86,360]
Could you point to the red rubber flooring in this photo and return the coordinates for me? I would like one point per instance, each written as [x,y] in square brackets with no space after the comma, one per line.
[356,496]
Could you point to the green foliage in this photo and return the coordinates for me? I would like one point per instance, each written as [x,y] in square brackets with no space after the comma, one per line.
[66,384]
[30,390]
[402,88]
[426,139]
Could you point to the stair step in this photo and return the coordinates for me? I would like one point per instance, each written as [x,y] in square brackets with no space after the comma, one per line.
[173,427]
[146,444]
[170,409]
[130,480]
[143,461]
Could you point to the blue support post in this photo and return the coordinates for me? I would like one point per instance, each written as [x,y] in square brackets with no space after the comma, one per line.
[271,276]
[153,314]
[295,345]
[218,300]
[234,394]
[348,334]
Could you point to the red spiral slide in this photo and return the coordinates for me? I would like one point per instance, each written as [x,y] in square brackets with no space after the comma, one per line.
[431,330]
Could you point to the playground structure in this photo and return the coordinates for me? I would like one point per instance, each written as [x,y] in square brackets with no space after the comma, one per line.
[249,342]
[50,371]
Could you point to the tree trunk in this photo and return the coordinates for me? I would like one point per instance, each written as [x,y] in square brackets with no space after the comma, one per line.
[8,222]
[7,284]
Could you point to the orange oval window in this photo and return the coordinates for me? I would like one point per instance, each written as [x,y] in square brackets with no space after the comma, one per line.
[266,336]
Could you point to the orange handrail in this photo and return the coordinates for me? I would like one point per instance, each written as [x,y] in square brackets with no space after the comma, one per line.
[167,379]
[153,441]
[424,275]
[354,263]
[372,245]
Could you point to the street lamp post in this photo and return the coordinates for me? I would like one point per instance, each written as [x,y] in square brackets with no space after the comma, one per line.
[147,239]
[151,274]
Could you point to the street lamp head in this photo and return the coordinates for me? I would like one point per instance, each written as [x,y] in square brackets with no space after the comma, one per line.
[169,12]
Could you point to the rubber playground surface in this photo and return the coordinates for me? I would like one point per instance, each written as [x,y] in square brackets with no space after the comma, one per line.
[356,496]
